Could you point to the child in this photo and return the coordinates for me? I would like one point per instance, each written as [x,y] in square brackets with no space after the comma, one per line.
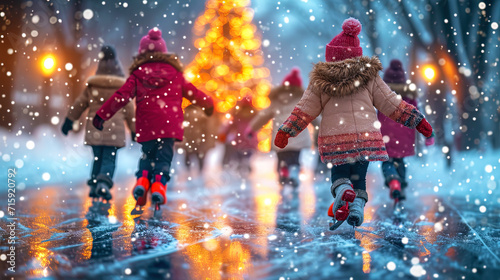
[238,147]
[157,83]
[283,100]
[346,88]
[105,143]
[400,139]
[198,135]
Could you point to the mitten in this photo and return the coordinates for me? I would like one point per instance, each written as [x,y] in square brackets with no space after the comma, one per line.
[222,137]
[98,122]
[425,128]
[209,111]
[281,139]
[67,126]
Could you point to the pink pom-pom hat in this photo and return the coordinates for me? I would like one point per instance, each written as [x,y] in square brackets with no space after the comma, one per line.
[153,42]
[293,78]
[346,44]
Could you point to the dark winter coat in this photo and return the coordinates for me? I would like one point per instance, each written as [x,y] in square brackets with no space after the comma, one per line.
[399,140]
[346,92]
[157,83]
[99,89]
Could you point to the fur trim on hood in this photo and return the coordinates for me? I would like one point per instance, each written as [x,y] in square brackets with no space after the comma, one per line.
[403,90]
[170,58]
[106,81]
[293,91]
[343,78]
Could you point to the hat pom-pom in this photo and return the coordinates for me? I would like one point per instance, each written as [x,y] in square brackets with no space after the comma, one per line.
[396,64]
[154,33]
[351,26]
[295,72]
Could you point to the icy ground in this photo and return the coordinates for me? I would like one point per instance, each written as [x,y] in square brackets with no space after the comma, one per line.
[218,226]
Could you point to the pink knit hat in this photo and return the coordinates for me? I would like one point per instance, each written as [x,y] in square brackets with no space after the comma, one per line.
[346,44]
[153,42]
[293,78]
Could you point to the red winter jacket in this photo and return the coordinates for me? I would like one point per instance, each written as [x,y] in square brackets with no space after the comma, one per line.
[157,83]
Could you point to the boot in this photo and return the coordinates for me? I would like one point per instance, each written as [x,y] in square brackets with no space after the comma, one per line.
[92,186]
[141,189]
[103,187]
[343,194]
[158,191]
[395,189]
[357,208]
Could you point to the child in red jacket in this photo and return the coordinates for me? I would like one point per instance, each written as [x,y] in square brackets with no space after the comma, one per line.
[158,85]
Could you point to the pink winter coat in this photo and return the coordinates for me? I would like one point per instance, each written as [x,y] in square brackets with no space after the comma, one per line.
[346,93]
[157,83]
[399,140]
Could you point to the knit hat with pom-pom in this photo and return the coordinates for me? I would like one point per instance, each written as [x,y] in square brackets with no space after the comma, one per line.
[346,44]
[153,42]
[395,73]
[108,62]
[293,78]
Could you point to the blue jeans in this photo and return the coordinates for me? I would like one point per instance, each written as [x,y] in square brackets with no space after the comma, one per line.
[356,172]
[104,162]
[157,158]
[394,168]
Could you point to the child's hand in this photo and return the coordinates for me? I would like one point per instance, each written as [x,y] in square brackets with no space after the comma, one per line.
[98,122]
[425,128]
[281,139]
[67,126]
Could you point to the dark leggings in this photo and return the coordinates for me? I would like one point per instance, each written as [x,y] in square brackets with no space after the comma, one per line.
[288,158]
[356,172]
[157,158]
[394,168]
[104,161]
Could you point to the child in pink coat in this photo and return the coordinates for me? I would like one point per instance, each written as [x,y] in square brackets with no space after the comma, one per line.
[400,140]
[158,86]
[346,89]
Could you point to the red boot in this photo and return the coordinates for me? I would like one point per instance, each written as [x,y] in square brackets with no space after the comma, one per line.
[395,189]
[158,191]
[141,189]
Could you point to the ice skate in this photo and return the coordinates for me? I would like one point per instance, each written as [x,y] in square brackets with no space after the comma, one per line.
[158,196]
[395,191]
[343,194]
[357,208]
[103,187]
[140,193]
[92,191]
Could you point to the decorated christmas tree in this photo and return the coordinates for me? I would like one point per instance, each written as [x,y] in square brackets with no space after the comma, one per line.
[229,63]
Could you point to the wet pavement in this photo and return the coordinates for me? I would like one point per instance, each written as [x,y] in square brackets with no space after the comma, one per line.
[223,227]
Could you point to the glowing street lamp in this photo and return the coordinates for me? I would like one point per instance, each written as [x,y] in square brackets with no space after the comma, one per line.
[48,64]
[429,73]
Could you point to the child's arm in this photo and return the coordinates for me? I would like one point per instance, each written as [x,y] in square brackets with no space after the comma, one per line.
[263,117]
[117,101]
[197,97]
[308,108]
[393,106]
[76,110]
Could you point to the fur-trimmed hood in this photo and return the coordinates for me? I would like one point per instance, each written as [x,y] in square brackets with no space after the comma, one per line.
[343,78]
[403,90]
[293,92]
[170,58]
[106,81]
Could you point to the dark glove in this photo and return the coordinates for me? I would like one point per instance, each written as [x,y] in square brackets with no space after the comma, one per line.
[67,126]
[134,136]
[425,128]
[98,122]
[281,139]
[209,111]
